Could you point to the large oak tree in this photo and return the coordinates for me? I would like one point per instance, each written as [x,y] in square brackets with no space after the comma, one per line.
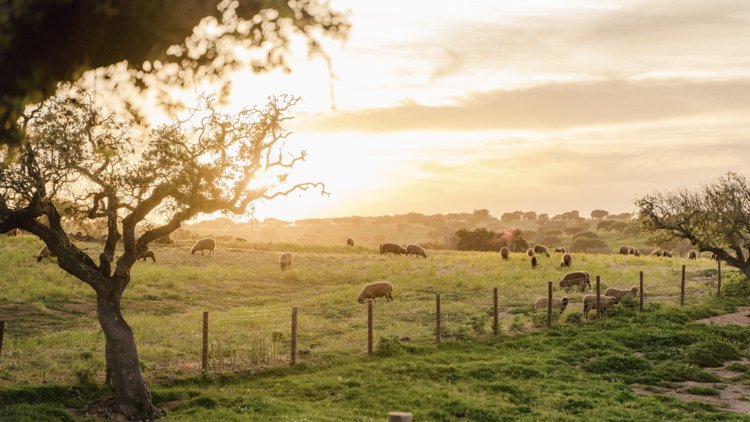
[85,158]
[714,217]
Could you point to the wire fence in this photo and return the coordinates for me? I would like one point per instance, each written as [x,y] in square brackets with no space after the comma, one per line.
[237,340]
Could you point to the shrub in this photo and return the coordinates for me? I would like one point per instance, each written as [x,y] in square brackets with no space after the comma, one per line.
[573,230]
[456,331]
[680,371]
[588,234]
[620,364]
[584,244]
[738,367]
[553,232]
[388,346]
[652,306]
[702,391]
[574,317]
[86,374]
[619,226]
[711,353]
[735,285]
[633,230]
[539,318]
[552,241]
[517,324]
[478,322]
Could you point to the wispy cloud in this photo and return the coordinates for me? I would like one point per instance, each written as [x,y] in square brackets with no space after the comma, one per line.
[550,107]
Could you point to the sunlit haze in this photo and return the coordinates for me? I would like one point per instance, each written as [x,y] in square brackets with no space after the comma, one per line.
[547,106]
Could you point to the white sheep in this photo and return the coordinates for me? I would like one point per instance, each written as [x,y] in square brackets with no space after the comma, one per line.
[373,290]
[589,303]
[619,293]
[560,304]
[392,247]
[285,260]
[204,244]
[416,250]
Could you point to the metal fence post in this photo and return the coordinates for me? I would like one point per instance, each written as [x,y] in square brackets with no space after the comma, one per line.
[204,362]
[496,324]
[641,291]
[293,356]
[682,288]
[437,315]
[549,304]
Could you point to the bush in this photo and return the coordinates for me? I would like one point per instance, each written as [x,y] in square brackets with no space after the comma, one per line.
[735,285]
[584,244]
[738,367]
[517,324]
[539,318]
[552,241]
[553,232]
[679,372]
[711,353]
[702,391]
[573,230]
[478,322]
[389,346]
[574,317]
[652,306]
[456,331]
[633,230]
[587,234]
[86,374]
[620,364]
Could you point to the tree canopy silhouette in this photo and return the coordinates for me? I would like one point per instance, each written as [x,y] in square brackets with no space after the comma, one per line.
[84,163]
[714,216]
[44,42]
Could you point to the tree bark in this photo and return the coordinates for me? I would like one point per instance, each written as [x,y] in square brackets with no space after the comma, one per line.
[132,394]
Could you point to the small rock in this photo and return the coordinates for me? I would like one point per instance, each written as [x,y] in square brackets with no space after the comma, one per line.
[12,366]
[405,338]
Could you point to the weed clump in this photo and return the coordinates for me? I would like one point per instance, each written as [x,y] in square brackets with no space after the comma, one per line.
[517,324]
[539,319]
[456,331]
[702,391]
[625,364]
[738,367]
[389,346]
[680,371]
[735,285]
[574,317]
[478,323]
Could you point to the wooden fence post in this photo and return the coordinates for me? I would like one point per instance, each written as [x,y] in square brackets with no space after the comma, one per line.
[293,358]
[437,316]
[549,304]
[598,294]
[641,291]
[496,324]
[399,417]
[204,362]
[718,281]
[2,330]
[369,326]
[682,288]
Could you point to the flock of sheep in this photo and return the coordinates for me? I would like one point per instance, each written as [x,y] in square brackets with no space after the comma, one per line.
[578,279]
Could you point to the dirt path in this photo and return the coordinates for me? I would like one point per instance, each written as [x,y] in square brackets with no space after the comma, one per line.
[741,318]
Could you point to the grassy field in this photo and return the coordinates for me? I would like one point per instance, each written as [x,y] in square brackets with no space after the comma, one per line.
[52,335]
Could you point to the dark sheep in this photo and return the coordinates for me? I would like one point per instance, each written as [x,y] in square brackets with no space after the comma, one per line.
[530,252]
[147,254]
[541,249]
[579,279]
[567,260]
[505,253]
[624,250]
[392,248]
[350,242]
[533,262]
[692,254]
[416,250]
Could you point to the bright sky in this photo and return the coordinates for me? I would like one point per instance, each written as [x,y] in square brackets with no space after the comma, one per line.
[543,106]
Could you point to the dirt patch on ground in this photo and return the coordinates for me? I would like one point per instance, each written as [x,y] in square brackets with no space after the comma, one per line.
[733,397]
[741,318]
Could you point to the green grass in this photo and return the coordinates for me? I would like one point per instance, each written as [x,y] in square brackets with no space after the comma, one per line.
[572,372]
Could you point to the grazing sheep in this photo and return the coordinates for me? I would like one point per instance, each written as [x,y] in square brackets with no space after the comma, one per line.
[392,247]
[505,253]
[541,249]
[285,260]
[204,244]
[533,262]
[619,293]
[380,248]
[715,257]
[636,252]
[631,251]
[13,232]
[560,304]
[147,254]
[374,290]
[416,250]
[589,303]
[350,242]
[624,250]
[567,260]
[44,253]
[240,239]
[692,254]
[656,253]
[579,279]
[667,254]
[561,250]
[530,252]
